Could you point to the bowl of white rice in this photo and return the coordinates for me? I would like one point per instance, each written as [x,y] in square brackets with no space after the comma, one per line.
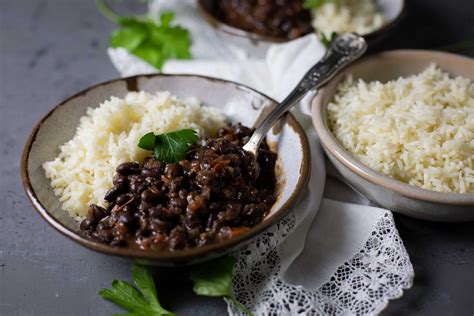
[399,128]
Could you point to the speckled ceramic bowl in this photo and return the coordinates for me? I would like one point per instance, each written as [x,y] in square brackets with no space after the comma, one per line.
[238,102]
[389,193]
[257,44]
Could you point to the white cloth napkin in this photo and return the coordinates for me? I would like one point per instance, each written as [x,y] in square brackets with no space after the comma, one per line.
[326,257]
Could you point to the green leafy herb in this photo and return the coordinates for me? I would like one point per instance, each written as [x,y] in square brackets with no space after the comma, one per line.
[151,41]
[139,302]
[214,278]
[314,4]
[327,41]
[169,147]
[147,141]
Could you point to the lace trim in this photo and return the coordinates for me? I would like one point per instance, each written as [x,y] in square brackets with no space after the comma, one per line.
[380,271]
[259,261]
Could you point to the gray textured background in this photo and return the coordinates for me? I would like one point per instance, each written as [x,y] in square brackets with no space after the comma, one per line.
[53,48]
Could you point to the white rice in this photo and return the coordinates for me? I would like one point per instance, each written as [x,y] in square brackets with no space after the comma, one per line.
[358,16]
[108,136]
[418,129]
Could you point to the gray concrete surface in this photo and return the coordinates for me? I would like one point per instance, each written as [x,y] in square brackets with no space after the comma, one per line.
[50,49]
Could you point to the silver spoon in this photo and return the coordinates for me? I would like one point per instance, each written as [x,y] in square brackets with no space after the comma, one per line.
[343,50]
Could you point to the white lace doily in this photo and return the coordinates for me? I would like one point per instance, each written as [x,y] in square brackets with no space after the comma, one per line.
[363,285]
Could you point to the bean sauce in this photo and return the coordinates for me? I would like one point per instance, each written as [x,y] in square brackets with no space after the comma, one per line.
[281,18]
[212,195]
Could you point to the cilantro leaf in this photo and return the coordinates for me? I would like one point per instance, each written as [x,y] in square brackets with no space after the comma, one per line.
[154,42]
[214,278]
[314,4]
[327,40]
[169,147]
[140,302]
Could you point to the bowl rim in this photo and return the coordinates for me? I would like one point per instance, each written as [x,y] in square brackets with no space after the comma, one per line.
[220,25]
[331,145]
[187,255]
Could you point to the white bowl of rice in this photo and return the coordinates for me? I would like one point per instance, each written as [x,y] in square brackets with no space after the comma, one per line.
[399,128]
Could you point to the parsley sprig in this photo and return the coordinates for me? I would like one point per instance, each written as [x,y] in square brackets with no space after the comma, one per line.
[169,147]
[139,302]
[213,278]
[154,42]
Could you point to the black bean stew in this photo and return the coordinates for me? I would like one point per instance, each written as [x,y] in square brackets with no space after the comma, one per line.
[211,196]
[281,18]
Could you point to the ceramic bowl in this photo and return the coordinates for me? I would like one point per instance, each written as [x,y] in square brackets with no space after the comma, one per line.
[257,45]
[392,194]
[238,102]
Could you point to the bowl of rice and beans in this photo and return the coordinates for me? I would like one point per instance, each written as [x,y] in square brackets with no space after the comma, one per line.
[399,127]
[152,167]
[256,24]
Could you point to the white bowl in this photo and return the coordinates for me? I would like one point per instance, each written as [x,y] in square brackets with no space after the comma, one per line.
[387,192]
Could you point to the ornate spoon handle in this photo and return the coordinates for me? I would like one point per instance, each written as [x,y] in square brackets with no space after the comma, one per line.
[343,50]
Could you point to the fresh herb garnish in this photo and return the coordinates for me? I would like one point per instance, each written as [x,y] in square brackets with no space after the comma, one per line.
[327,41]
[139,302]
[214,278]
[314,4]
[169,147]
[148,40]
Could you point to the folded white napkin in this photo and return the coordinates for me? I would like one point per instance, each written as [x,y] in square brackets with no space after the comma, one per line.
[326,257]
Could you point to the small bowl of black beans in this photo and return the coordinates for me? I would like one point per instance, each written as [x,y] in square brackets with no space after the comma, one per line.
[209,203]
